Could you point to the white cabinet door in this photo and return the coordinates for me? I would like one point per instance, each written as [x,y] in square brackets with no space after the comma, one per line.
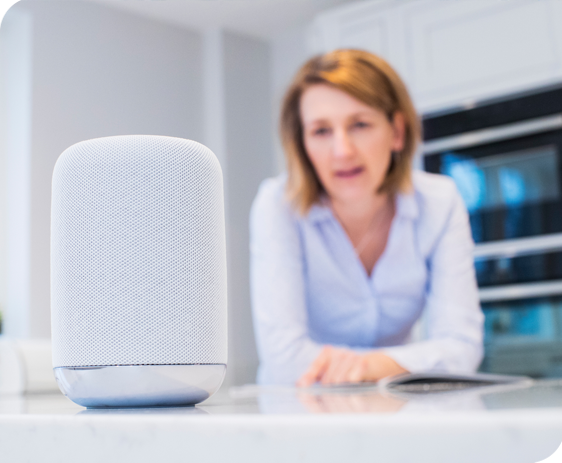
[469,50]
[454,52]
[369,26]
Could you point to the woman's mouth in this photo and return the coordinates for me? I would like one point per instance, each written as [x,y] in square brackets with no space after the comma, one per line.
[349,173]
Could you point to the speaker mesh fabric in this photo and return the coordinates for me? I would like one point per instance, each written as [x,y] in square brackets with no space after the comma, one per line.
[138,255]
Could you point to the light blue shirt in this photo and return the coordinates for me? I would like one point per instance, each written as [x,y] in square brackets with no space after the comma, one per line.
[309,288]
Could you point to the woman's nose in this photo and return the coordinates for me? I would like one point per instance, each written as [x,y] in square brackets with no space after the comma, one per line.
[343,145]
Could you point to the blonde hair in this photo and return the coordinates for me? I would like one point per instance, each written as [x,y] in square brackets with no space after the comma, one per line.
[371,80]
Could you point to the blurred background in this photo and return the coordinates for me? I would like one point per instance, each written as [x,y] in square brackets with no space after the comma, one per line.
[484,74]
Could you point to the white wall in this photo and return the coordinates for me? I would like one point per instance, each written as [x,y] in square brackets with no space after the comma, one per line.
[238,129]
[3,178]
[289,51]
[95,72]
[15,138]
[249,160]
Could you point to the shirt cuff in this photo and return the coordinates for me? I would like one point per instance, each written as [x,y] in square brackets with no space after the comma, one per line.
[435,355]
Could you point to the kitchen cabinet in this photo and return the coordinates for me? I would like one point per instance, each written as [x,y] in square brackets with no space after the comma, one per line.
[453,53]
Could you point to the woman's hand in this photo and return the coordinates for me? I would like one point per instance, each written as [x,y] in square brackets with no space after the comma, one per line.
[337,365]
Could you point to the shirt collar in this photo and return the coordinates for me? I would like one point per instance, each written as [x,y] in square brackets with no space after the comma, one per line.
[406,206]
[320,211]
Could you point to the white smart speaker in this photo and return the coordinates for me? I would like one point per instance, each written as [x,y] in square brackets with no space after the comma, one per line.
[138,272]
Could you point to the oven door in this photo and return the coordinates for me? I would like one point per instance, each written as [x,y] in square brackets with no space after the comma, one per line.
[523,336]
[509,177]
[510,180]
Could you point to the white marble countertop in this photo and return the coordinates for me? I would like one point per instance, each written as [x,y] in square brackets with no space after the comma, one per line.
[496,424]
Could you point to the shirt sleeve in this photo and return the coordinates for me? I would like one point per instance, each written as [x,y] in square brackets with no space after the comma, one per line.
[277,289]
[453,318]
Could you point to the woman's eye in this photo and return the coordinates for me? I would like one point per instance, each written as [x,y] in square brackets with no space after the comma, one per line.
[321,131]
[360,124]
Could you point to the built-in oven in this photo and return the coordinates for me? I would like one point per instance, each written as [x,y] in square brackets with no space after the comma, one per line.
[505,157]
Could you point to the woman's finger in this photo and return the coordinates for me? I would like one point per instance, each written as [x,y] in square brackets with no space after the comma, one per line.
[340,363]
[316,369]
[357,372]
[351,368]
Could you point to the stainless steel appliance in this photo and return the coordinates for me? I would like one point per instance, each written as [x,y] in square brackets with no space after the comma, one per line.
[506,159]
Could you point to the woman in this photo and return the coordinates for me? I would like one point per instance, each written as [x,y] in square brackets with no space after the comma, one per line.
[350,246]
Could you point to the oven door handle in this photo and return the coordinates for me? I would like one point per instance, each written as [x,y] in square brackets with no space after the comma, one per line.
[520,291]
[516,247]
[493,134]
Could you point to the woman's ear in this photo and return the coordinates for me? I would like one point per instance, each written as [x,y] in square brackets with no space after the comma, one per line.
[399,131]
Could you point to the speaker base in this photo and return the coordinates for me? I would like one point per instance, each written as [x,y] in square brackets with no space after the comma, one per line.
[140,385]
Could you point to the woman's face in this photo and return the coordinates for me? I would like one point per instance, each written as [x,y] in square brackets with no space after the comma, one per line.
[348,142]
